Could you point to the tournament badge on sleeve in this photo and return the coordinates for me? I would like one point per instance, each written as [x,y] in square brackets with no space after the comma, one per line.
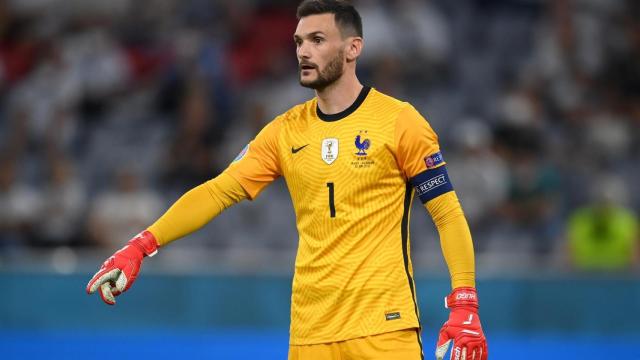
[329,150]
[242,153]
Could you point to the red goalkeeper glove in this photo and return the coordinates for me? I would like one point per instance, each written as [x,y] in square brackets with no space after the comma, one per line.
[117,273]
[463,327]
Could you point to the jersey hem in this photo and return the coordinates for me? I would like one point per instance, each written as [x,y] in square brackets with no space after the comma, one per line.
[297,342]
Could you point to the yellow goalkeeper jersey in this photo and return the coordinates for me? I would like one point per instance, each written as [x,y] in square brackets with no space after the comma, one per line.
[351,177]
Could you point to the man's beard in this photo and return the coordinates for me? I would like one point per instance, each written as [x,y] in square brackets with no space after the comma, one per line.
[330,74]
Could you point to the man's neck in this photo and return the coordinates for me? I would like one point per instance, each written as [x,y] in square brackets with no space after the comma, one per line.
[339,95]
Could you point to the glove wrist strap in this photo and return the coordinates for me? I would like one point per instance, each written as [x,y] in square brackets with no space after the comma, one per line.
[146,242]
[461,297]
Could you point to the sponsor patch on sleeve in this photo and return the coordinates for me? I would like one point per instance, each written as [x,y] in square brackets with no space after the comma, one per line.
[434,160]
[432,183]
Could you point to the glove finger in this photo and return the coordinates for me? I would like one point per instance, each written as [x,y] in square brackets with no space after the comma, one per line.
[441,349]
[121,283]
[101,278]
[474,353]
[106,294]
[473,346]
[443,335]
[480,349]
[484,351]
[464,353]
[456,352]
[95,277]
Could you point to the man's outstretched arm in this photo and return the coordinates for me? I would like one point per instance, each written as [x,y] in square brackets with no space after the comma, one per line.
[197,207]
[257,165]
[189,213]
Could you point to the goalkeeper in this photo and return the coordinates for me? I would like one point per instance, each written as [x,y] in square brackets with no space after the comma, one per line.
[352,159]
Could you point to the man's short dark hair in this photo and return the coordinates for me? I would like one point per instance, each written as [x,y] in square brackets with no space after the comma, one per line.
[346,16]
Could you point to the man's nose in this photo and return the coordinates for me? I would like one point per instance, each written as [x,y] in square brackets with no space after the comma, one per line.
[303,51]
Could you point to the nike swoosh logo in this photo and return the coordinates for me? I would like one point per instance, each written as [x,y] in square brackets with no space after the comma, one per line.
[294,150]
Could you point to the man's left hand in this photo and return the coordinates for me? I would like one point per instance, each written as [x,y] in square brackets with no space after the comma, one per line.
[463,327]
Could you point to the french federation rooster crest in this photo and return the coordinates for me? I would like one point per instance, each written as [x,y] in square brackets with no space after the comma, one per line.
[362,146]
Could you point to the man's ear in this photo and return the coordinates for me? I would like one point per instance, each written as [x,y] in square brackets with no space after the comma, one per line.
[354,48]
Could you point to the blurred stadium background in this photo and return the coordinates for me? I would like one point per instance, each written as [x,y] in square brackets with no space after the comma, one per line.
[109,110]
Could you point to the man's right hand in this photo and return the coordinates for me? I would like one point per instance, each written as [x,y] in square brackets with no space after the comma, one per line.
[117,273]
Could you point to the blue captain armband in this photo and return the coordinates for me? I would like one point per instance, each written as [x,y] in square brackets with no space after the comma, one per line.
[432,183]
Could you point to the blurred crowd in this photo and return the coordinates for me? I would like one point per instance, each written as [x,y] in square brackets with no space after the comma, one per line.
[110,110]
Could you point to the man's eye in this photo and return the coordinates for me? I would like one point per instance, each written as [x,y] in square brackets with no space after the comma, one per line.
[317,40]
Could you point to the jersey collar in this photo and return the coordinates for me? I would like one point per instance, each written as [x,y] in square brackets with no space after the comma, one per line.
[346,112]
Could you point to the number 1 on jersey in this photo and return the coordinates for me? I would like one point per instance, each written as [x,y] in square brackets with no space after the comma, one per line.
[332,206]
